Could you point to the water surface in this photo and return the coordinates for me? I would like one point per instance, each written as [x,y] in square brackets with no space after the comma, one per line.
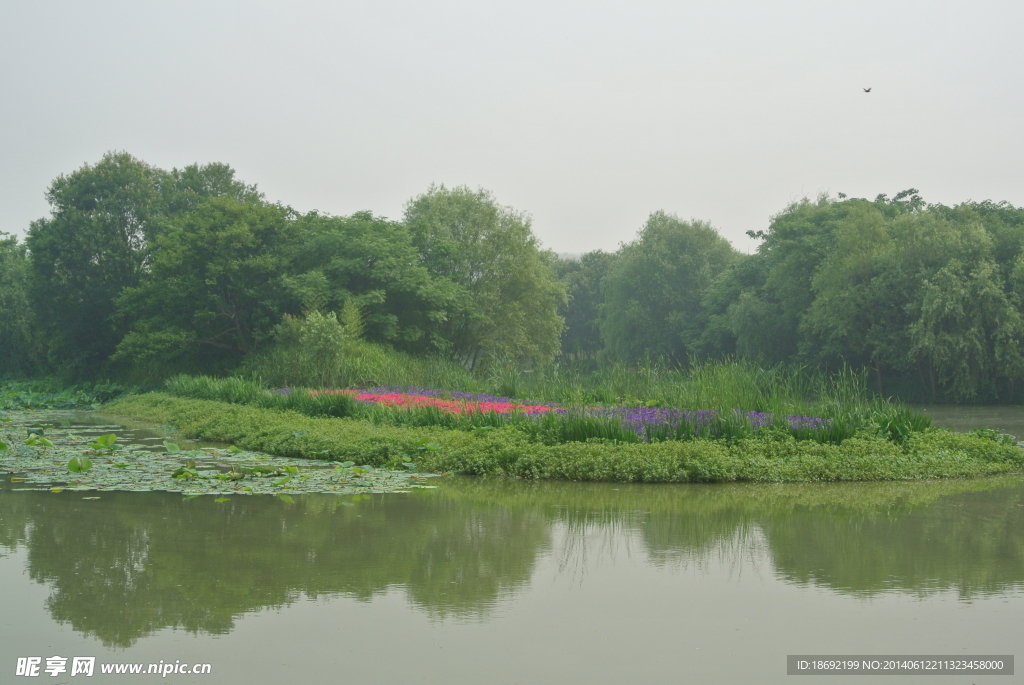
[491,581]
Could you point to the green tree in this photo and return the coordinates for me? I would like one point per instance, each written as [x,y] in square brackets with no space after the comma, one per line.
[99,241]
[216,288]
[506,293]
[95,244]
[16,320]
[582,311]
[372,263]
[653,294]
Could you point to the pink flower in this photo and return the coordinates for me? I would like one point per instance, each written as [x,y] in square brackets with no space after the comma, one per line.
[400,399]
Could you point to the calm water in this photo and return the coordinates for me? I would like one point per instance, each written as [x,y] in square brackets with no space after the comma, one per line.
[509,582]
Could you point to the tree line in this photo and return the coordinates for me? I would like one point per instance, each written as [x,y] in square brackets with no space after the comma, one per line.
[143,270]
[928,298]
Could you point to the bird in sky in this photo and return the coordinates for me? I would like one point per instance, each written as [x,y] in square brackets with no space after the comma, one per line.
[867,90]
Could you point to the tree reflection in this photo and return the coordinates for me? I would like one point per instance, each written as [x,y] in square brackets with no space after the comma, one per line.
[130,564]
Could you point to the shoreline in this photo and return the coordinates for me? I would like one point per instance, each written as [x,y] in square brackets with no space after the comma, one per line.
[936,453]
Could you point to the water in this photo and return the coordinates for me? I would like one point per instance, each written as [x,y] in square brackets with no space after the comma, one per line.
[1007,419]
[490,581]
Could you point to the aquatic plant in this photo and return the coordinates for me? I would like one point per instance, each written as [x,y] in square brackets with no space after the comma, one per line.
[49,393]
[510,451]
[773,404]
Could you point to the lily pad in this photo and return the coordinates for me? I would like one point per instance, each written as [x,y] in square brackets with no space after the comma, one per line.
[137,467]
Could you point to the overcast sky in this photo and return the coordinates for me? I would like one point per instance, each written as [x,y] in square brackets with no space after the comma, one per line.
[587,115]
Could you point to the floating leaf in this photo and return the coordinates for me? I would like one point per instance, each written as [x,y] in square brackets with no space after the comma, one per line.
[80,464]
[281,482]
[186,473]
[105,443]
[222,499]
[56,489]
[90,498]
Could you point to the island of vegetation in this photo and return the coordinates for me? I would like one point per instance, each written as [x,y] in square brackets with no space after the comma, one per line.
[450,342]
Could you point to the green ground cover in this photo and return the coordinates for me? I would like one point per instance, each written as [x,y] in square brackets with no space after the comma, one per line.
[49,393]
[506,451]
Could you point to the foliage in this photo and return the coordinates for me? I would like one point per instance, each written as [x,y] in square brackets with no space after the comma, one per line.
[51,394]
[224,260]
[506,294]
[819,407]
[17,332]
[140,273]
[923,295]
[98,242]
[653,293]
[506,451]
[371,263]
[582,311]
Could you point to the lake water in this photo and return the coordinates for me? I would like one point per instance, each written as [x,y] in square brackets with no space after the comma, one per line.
[490,581]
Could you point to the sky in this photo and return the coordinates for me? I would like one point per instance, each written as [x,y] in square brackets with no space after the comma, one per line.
[586,115]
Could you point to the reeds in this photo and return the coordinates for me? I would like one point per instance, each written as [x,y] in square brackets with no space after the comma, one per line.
[723,400]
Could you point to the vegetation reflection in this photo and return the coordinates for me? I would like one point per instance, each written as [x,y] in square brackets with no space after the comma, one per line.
[130,564]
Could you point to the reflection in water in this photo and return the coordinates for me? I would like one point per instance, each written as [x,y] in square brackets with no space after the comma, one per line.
[129,564]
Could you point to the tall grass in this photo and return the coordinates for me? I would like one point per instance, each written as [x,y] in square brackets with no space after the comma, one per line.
[253,393]
[728,391]
[359,365]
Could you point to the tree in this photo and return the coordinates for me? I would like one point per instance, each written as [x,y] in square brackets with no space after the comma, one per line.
[653,294]
[99,241]
[95,244]
[582,312]
[506,294]
[16,320]
[216,287]
[372,263]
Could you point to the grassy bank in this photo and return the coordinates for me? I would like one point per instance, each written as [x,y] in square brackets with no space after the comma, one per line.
[506,451]
[843,412]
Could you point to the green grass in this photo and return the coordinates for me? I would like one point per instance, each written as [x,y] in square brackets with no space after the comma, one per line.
[932,453]
[724,386]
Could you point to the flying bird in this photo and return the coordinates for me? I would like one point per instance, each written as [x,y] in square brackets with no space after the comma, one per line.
[867,90]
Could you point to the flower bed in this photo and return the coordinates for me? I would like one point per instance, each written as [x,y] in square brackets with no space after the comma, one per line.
[647,423]
[467,404]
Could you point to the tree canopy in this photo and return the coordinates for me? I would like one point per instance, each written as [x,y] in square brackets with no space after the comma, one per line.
[138,267]
[506,294]
[653,293]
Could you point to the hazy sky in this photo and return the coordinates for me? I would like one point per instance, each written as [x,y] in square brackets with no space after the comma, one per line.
[588,115]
